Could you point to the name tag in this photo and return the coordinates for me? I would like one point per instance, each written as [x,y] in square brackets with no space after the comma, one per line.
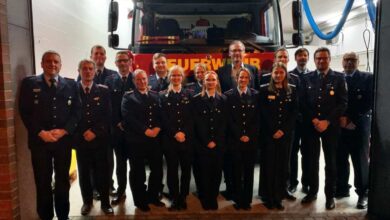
[271,97]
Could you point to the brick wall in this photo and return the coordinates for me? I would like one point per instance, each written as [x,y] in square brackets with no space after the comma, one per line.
[9,202]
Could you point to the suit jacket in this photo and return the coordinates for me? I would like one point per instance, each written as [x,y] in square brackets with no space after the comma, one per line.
[42,109]
[101,78]
[117,89]
[226,81]
[140,113]
[325,99]
[156,85]
[96,115]
[360,95]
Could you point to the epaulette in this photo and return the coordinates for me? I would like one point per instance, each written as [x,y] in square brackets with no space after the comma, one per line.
[152,91]
[293,74]
[129,92]
[292,85]
[197,95]
[264,85]
[67,78]
[190,84]
[103,86]
[266,74]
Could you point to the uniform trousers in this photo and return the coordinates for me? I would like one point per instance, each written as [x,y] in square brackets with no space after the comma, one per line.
[296,147]
[121,155]
[139,153]
[311,153]
[46,158]
[354,143]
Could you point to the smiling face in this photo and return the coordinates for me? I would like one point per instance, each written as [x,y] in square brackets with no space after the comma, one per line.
[199,73]
[211,81]
[98,55]
[176,77]
[122,63]
[282,56]
[160,66]
[51,64]
[301,59]
[236,53]
[350,62]
[322,60]
[278,75]
[243,79]
[141,81]
[87,72]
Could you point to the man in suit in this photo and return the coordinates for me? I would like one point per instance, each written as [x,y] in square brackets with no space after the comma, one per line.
[227,75]
[159,80]
[324,101]
[142,124]
[50,109]
[301,57]
[92,138]
[355,131]
[118,84]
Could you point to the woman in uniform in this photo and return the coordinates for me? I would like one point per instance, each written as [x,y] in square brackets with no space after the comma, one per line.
[210,124]
[279,107]
[177,138]
[242,104]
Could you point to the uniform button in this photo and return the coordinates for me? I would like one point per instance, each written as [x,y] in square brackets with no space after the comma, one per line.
[243,114]
[280,109]
[244,131]
[243,106]
[280,102]
[279,122]
[54,98]
[211,119]
[87,105]
[320,89]
[244,123]
[177,104]
[212,128]
[150,113]
[87,113]
[89,121]
[54,107]
[179,129]
[178,112]
[54,126]
[280,116]
[319,106]
[150,126]
[150,106]
[150,119]
[178,120]
[319,114]
[54,116]
[319,97]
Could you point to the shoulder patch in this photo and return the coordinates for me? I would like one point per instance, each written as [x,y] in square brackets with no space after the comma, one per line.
[129,92]
[293,74]
[197,95]
[67,78]
[190,84]
[292,85]
[266,74]
[264,85]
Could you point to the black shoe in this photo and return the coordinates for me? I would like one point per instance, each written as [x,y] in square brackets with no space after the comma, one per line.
[279,206]
[340,195]
[107,209]
[329,205]
[290,196]
[96,195]
[174,206]
[144,208]
[305,189]
[292,188]
[183,205]
[308,199]
[246,207]
[236,206]
[362,202]
[227,195]
[86,208]
[269,205]
[118,199]
[157,203]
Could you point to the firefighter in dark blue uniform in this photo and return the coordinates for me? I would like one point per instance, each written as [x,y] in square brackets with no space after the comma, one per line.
[301,57]
[92,138]
[118,84]
[209,111]
[279,108]
[50,109]
[355,131]
[177,137]
[243,126]
[324,101]
[141,114]
[159,80]
[199,71]
[281,55]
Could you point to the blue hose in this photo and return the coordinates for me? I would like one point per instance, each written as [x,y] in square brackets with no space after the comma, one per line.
[337,30]
[371,12]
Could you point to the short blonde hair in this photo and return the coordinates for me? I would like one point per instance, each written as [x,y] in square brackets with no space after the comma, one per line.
[210,72]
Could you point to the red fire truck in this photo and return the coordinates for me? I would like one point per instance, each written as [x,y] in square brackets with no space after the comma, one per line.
[192,31]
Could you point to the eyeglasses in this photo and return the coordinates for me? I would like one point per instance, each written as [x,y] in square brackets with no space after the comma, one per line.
[350,59]
[122,60]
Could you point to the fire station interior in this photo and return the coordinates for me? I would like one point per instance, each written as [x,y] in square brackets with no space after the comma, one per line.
[72,27]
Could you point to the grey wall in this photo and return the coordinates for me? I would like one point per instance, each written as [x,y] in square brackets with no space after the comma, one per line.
[379,196]
[22,61]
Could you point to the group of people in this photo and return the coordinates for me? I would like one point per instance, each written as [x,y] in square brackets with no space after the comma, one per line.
[213,126]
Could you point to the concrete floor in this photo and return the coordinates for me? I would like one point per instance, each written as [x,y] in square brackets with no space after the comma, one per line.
[345,208]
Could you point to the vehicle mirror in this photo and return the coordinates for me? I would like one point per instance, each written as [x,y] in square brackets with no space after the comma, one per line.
[297,15]
[113,40]
[113,13]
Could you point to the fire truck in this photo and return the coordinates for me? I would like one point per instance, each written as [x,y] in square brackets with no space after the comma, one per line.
[193,31]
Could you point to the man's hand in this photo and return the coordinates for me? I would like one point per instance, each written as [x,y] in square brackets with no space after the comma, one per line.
[156,131]
[47,136]
[180,137]
[315,122]
[120,126]
[278,134]
[211,144]
[322,125]
[89,135]
[58,133]
[149,133]
[244,139]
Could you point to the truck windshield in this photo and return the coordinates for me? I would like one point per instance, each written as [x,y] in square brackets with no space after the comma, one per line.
[203,26]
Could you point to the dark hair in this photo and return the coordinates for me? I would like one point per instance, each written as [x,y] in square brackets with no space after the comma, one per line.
[50,52]
[97,46]
[301,50]
[122,52]
[280,49]
[321,49]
